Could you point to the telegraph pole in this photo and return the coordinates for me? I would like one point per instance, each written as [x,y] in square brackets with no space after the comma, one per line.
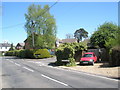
[33,42]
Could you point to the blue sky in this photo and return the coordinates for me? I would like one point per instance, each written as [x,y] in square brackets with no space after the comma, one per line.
[69,16]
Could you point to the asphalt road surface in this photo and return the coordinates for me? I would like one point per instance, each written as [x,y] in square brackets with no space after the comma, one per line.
[32,73]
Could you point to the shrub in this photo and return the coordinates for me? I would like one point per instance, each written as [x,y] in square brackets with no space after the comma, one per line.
[10,53]
[115,57]
[21,54]
[72,62]
[68,51]
[41,53]
[29,53]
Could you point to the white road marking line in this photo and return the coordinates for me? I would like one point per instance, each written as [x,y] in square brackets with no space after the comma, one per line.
[17,64]
[53,80]
[28,69]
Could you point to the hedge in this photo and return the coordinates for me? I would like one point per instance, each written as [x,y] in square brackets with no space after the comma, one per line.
[42,53]
[29,53]
[68,51]
[115,57]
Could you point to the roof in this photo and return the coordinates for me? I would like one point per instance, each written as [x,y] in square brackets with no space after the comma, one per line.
[5,45]
[20,44]
[68,40]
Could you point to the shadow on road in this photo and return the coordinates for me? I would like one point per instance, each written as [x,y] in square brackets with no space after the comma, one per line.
[52,64]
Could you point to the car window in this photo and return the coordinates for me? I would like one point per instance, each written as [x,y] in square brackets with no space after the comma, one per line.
[87,55]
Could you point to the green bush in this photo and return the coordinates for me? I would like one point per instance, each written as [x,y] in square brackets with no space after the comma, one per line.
[29,53]
[72,62]
[10,53]
[115,57]
[41,53]
[68,51]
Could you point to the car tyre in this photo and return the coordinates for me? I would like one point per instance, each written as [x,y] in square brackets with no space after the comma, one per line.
[92,63]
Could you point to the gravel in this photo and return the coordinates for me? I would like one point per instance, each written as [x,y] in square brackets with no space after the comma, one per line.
[98,68]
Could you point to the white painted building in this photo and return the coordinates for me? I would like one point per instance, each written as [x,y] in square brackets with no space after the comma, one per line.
[4,47]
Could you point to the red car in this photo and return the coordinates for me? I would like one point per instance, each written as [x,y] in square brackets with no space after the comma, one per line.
[88,58]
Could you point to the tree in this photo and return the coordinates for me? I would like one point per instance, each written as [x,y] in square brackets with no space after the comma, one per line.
[11,48]
[103,34]
[80,33]
[114,42]
[69,36]
[40,21]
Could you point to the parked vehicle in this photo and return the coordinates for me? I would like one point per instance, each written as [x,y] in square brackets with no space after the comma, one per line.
[88,58]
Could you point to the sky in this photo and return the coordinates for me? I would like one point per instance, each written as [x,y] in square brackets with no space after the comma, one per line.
[69,16]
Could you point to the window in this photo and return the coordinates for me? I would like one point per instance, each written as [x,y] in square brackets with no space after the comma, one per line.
[87,55]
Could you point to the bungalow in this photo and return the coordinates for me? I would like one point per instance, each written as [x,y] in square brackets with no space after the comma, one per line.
[58,42]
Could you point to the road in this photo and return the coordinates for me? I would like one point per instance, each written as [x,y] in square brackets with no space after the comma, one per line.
[32,73]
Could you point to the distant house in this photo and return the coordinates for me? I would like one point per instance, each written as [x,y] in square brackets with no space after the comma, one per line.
[58,42]
[20,46]
[27,44]
[4,47]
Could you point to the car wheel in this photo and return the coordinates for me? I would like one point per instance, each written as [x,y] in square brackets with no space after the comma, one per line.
[92,63]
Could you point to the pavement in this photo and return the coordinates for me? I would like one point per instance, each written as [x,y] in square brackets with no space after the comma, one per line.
[32,73]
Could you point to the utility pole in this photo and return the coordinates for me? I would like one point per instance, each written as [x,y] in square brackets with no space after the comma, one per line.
[33,42]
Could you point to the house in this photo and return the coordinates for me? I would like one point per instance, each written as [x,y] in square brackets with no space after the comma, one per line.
[4,47]
[27,44]
[58,42]
[20,46]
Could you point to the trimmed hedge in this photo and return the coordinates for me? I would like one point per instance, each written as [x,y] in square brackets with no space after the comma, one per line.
[115,57]
[42,53]
[10,53]
[29,53]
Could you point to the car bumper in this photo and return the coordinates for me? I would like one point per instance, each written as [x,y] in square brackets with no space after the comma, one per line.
[86,62]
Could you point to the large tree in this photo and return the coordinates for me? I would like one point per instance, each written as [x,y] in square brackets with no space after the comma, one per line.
[40,21]
[80,33]
[104,34]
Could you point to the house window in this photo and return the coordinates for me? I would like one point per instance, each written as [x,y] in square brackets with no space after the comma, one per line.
[5,47]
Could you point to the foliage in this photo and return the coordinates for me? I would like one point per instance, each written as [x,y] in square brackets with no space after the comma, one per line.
[11,48]
[41,53]
[115,57]
[72,62]
[113,42]
[11,53]
[29,53]
[105,33]
[80,33]
[67,51]
[39,21]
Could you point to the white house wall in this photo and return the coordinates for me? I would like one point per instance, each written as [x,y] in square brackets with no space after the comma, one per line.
[4,48]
